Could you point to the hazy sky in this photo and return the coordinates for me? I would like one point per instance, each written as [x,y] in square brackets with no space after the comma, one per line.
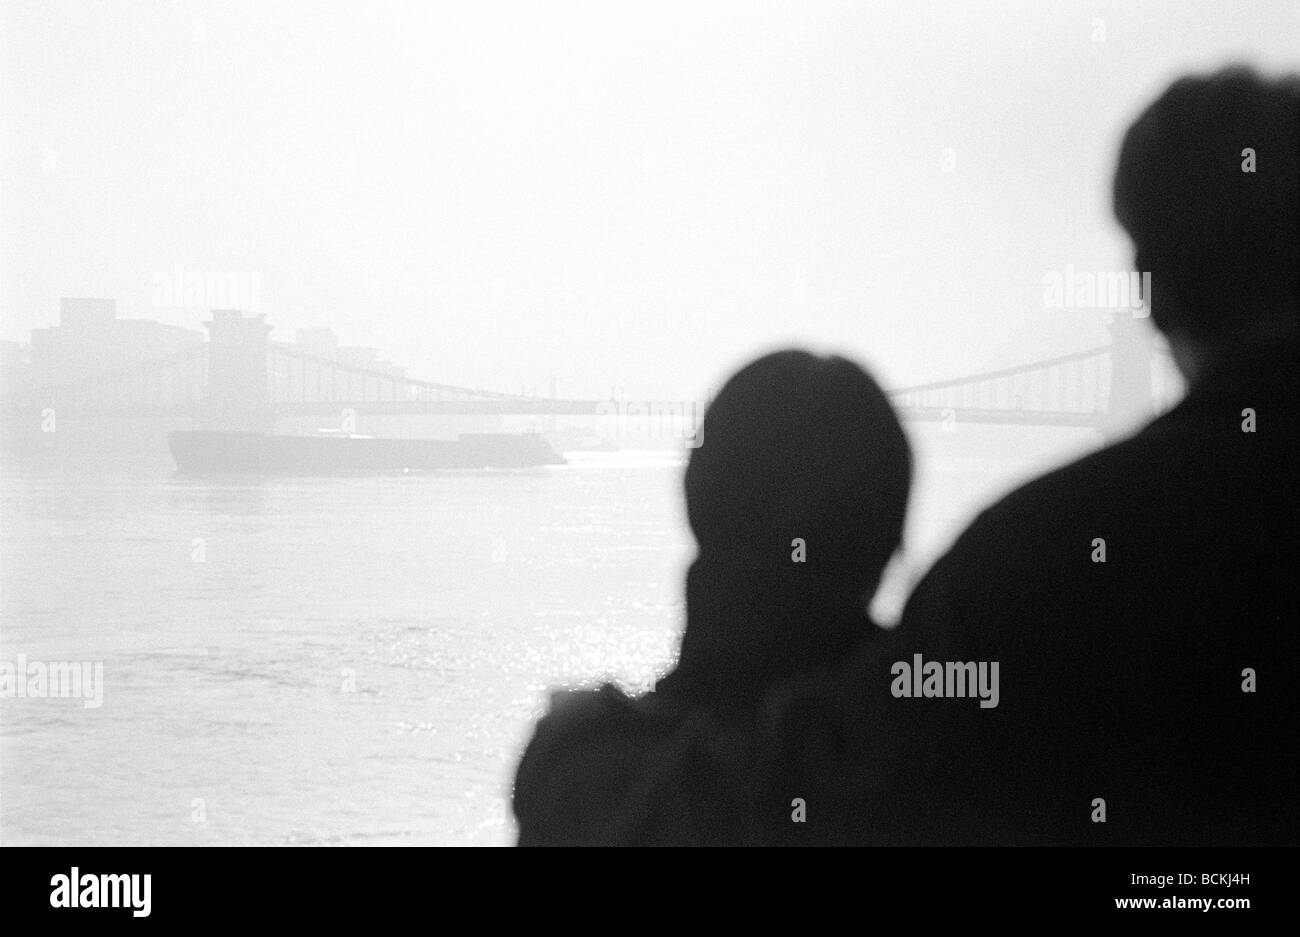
[630,195]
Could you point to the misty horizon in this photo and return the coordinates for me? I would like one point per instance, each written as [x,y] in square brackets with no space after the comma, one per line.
[602,195]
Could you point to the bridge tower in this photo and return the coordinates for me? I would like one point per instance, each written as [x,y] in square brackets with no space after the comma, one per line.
[238,391]
[1132,401]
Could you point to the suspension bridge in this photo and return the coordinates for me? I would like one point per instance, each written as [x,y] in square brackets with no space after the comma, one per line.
[241,380]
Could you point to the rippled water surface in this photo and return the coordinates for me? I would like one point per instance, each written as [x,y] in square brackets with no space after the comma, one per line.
[347,660]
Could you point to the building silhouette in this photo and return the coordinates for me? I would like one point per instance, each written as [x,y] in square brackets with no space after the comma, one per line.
[90,339]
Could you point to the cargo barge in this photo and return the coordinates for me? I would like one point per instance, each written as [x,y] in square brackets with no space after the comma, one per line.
[204,452]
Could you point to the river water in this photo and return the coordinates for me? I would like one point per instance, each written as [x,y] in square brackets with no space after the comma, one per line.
[353,660]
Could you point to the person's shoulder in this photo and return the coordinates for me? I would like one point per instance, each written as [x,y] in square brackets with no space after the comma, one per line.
[579,760]
[576,707]
[1024,535]
[574,715]
[1097,482]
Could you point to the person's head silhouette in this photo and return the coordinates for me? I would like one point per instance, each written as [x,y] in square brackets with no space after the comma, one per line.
[796,497]
[1206,187]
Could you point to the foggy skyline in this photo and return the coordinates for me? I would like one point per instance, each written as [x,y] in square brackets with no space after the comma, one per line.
[619,195]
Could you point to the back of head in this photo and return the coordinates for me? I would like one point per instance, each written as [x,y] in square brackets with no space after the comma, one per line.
[1207,188]
[800,448]
[796,497]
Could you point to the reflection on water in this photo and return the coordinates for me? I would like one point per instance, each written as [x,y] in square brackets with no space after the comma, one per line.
[351,660]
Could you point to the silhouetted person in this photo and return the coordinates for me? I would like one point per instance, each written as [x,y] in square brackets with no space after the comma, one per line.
[1142,602]
[796,498]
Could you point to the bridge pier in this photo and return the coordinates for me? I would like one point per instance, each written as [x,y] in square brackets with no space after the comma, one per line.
[238,391]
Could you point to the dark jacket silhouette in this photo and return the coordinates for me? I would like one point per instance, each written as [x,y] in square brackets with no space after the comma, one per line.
[1119,680]
[1156,690]
[796,498]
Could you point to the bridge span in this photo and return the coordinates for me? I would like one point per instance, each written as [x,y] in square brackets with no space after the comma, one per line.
[241,380]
